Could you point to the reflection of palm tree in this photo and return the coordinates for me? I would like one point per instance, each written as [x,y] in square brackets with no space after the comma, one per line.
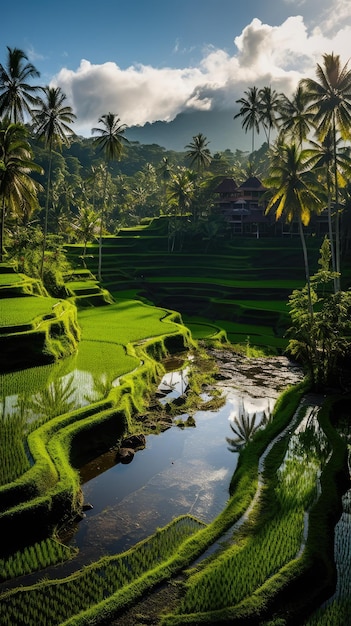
[101,387]
[244,426]
[55,399]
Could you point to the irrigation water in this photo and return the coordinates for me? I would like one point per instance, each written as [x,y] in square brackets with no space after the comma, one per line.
[181,470]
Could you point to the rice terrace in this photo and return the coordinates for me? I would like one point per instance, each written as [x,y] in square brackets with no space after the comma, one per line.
[175,374]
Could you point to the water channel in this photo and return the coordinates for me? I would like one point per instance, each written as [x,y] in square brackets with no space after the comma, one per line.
[182,470]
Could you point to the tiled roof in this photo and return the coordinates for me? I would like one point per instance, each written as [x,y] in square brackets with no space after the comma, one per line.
[228,185]
[252,183]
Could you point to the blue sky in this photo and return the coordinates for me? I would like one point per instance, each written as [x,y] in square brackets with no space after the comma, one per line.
[149,60]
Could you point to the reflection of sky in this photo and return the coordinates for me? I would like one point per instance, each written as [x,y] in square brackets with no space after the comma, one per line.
[239,403]
[174,384]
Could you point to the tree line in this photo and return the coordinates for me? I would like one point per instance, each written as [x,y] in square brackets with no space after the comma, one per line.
[45,200]
[309,172]
[46,190]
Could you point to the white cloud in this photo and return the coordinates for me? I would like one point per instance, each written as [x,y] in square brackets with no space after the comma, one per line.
[265,55]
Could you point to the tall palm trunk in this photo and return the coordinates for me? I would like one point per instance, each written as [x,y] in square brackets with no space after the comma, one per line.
[46,213]
[337,214]
[101,227]
[2,232]
[330,228]
[307,269]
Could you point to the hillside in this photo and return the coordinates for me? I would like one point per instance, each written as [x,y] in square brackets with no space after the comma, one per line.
[240,285]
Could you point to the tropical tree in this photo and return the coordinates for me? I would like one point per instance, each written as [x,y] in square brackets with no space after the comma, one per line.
[17,96]
[198,153]
[295,121]
[110,140]
[269,108]
[250,112]
[330,102]
[86,226]
[95,180]
[181,190]
[295,188]
[323,346]
[51,124]
[322,159]
[18,191]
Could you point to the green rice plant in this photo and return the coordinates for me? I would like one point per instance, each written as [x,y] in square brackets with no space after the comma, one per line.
[14,460]
[272,536]
[51,483]
[336,613]
[60,600]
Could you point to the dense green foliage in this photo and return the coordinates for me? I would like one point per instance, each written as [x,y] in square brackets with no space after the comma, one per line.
[146,225]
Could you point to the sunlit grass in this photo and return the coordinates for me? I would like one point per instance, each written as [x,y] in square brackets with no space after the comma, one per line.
[123,322]
[18,311]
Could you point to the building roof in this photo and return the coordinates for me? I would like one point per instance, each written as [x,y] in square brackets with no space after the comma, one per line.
[228,185]
[252,183]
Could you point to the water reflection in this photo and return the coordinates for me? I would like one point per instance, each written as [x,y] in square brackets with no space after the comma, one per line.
[173,385]
[182,470]
[245,424]
[179,471]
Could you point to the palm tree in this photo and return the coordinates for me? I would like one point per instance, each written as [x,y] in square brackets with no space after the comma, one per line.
[86,226]
[16,95]
[322,158]
[269,107]
[295,189]
[250,112]
[18,191]
[198,152]
[110,140]
[330,102]
[51,124]
[181,190]
[295,121]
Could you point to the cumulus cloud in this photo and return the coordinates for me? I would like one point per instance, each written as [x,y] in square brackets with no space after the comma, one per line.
[263,55]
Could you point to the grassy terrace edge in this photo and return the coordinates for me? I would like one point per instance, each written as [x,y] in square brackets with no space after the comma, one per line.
[50,488]
[293,580]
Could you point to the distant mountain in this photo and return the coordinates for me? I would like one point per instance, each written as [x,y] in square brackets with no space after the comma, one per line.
[219,127]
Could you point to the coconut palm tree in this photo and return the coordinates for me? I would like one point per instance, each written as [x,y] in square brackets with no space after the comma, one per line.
[16,94]
[181,190]
[250,112]
[18,191]
[330,102]
[295,121]
[51,124]
[295,188]
[110,140]
[322,159]
[86,226]
[198,153]
[269,107]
